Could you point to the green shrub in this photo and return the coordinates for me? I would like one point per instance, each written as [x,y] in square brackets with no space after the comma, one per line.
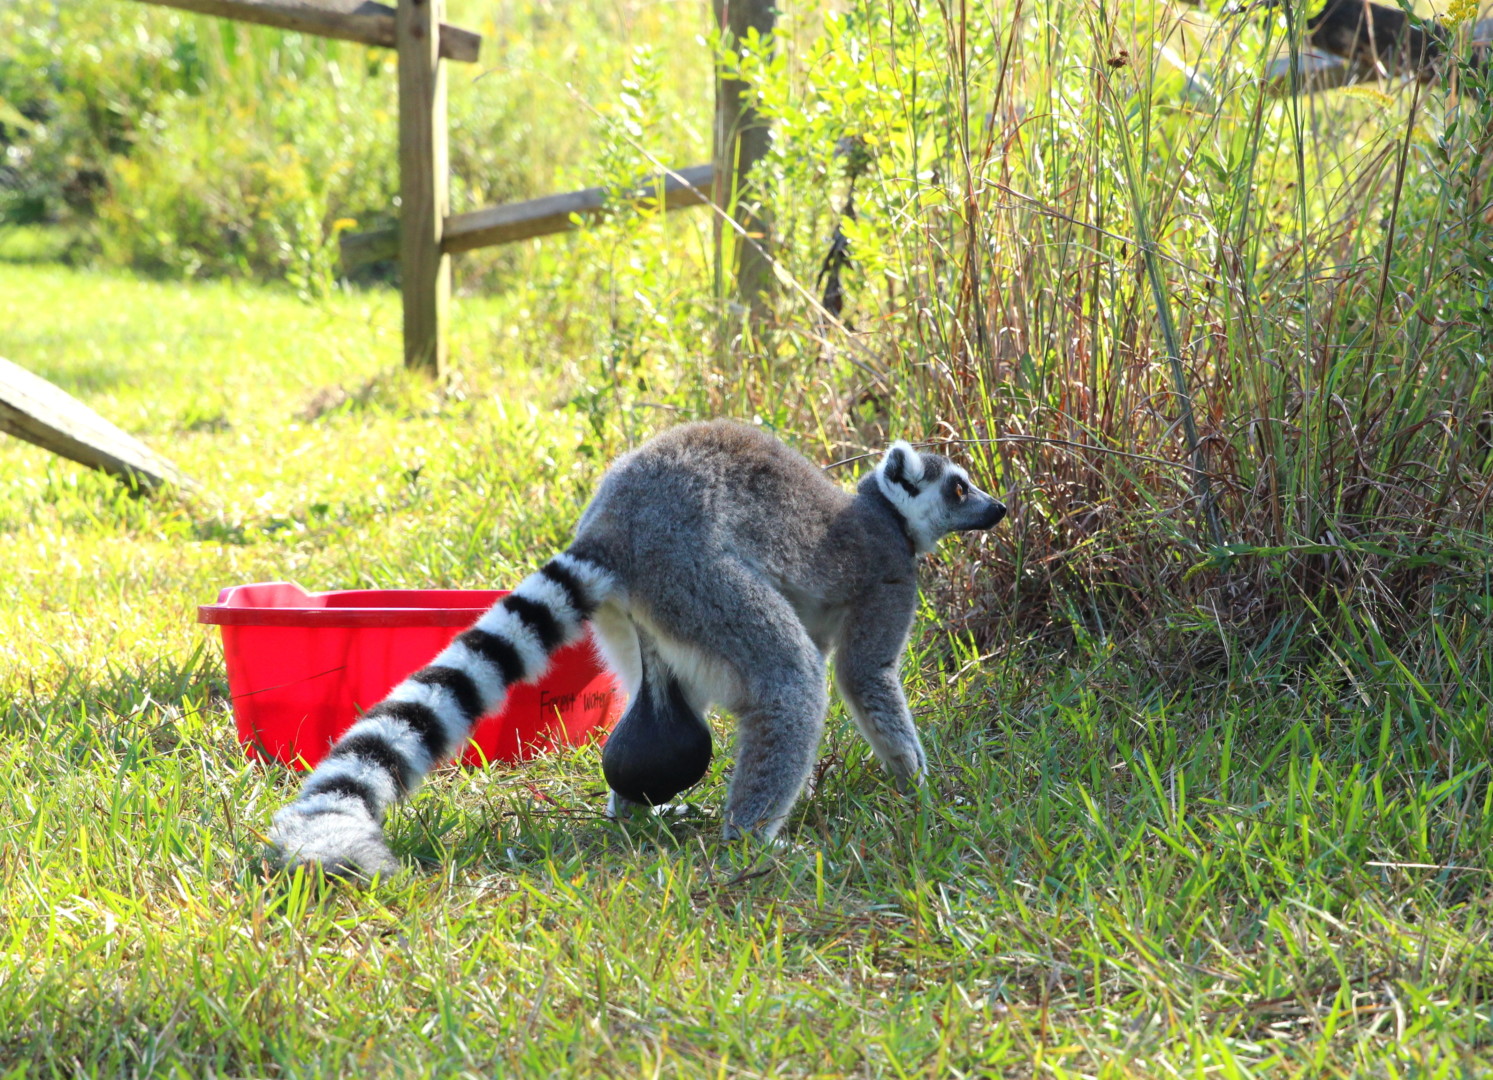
[75,83]
[229,186]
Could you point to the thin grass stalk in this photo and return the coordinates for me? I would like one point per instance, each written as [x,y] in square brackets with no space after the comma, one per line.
[1394,214]
[1202,487]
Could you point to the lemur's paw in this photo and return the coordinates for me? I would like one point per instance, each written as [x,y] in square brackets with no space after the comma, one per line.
[621,809]
[767,839]
[909,770]
[341,839]
[914,787]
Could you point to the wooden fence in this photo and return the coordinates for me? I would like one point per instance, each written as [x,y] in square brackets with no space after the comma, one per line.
[428,234]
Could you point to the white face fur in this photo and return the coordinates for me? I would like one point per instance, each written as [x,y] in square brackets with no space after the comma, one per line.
[933,495]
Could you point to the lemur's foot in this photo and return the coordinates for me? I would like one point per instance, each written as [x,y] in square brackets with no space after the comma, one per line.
[769,840]
[620,809]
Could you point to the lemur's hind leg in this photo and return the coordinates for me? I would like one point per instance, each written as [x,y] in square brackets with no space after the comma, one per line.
[620,809]
[616,639]
[779,724]
[662,745]
[777,694]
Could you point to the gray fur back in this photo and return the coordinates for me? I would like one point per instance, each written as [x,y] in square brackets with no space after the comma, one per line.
[722,490]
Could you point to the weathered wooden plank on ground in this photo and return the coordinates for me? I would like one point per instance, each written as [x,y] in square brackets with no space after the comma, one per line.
[533,217]
[363,21]
[33,409]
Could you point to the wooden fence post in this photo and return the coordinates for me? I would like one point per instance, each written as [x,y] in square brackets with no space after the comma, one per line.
[742,139]
[424,184]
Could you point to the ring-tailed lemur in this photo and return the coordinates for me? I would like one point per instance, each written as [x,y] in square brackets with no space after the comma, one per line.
[717,567]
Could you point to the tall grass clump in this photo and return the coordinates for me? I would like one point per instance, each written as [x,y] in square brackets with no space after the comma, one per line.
[1227,351]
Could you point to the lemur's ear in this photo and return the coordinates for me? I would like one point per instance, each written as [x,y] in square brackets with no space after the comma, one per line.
[902,465]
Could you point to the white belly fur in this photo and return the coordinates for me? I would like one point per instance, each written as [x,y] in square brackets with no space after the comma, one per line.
[706,681]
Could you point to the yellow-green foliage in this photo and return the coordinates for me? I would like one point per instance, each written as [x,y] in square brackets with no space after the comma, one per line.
[187,145]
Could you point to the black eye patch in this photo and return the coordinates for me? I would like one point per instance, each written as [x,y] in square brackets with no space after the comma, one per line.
[955,489]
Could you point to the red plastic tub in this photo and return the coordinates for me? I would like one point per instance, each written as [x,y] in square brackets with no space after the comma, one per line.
[303,666]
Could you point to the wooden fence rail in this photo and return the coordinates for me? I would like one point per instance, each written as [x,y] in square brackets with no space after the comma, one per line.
[363,21]
[534,217]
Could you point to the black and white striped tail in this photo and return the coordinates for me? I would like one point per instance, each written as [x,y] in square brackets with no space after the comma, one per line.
[337,819]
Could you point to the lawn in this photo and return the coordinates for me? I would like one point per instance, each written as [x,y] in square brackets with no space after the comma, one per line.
[1109,875]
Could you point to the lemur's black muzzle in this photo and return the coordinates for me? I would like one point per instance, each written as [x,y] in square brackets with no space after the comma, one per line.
[986,516]
[993,513]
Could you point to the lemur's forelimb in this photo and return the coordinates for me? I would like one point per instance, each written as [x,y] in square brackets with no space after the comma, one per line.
[867,675]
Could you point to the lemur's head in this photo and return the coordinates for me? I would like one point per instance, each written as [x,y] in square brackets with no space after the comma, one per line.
[933,495]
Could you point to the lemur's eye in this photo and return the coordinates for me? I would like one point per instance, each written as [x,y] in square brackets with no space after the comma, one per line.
[960,490]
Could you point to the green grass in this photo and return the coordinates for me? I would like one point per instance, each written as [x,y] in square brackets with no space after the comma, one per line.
[1108,877]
